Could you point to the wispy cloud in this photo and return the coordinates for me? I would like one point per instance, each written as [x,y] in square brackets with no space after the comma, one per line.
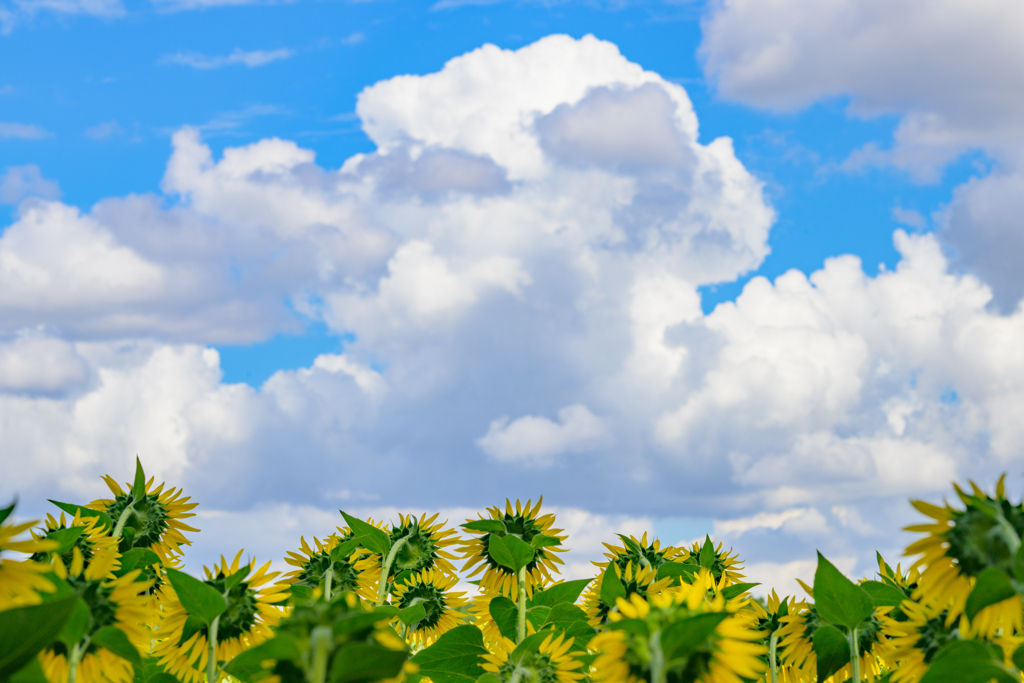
[102,131]
[19,182]
[6,89]
[249,58]
[22,131]
[353,39]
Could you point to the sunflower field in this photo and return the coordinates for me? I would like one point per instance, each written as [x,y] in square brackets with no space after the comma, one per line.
[96,594]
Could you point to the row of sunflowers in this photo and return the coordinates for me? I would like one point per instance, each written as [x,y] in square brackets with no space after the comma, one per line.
[101,598]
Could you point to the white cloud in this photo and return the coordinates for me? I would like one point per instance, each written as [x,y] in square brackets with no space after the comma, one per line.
[19,182]
[19,10]
[102,131]
[36,364]
[537,440]
[22,131]
[249,58]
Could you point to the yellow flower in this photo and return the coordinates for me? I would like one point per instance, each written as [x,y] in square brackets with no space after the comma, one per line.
[913,642]
[422,546]
[119,602]
[21,580]
[640,580]
[725,565]
[524,523]
[251,614]
[155,521]
[553,662]
[432,589]
[797,648]
[352,574]
[637,551]
[97,550]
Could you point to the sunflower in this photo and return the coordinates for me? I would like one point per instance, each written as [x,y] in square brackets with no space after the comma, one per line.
[914,641]
[252,612]
[421,545]
[952,556]
[637,551]
[432,589]
[21,581]
[92,543]
[730,653]
[316,569]
[725,565]
[796,642]
[120,602]
[768,622]
[523,523]
[479,611]
[552,662]
[153,522]
[642,581]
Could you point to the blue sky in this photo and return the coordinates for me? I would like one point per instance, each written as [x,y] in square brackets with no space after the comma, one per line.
[444,341]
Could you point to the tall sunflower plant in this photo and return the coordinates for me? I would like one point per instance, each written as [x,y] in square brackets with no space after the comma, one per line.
[97,593]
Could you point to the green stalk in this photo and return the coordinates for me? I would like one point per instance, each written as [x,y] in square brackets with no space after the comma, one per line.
[327,582]
[74,657]
[521,634]
[772,649]
[320,639]
[211,663]
[658,673]
[119,529]
[855,656]
[386,569]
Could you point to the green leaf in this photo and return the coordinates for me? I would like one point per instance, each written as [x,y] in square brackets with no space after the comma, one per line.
[611,586]
[992,586]
[236,578]
[499,552]
[115,640]
[883,563]
[1018,563]
[455,657]
[30,673]
[248,666]
[66,538]
[522,552]
[199,599]
[86,512]
[376,540]
[831,649]
[486,525]
[6,512]
[352,622]
[488,678]
[137,558]
[882,594]
[737,589]
[573,621]
[366,662]
[629,544]
[529,645]
[76,625]
[683,637]
[566,592]
[684,571]
[505,615]
[707,553]
[138,491]
[966,661]
[24,631]
[542,541]
[538,615]
[342,551]
[840,601]
[410,615]
[634,626]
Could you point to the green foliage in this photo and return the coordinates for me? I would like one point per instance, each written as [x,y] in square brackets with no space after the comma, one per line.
[24,631]
[455,657]
[199,599]
[840,601]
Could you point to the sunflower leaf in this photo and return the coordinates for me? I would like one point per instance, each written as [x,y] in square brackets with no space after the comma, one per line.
[342,551]
[737,589]
[571,620]
[840,601]
[138,491]
[529,645]
[707,553]
[6,512]
[455,657]
[248,666]
[486,525]
[30,673]
[24,631]
[611,586]
[71,509]
[499,552]
[1018,658]
[966,661]
[375,539]
[237,577]
[410,615]
[684,637]
[882,594]
[538,615]
[76,625]
[629,544]
[831,649]
[542,541]
[114,639]
[366,662]
[684,571]
[488,678]
[522,552]
[566,592]
[1018,563]
[199,599]
[65,537]
[992,586]
[137,558]
[505,615]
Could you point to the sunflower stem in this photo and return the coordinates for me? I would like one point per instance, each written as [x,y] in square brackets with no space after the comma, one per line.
[386,569]
[657,658]
[327,582]
[211,662]
[123,519]
[321,641]
[74,658]
[772,649]
[521,633]
[855,655]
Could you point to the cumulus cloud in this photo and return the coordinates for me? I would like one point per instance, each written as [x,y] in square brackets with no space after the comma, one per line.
[19,182]
[537,440]
[249,58]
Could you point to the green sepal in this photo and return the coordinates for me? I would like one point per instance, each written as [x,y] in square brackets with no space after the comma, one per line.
[24,631]
[199,599]
[566,592]
[685,572]
[831,648]
[737,589]
[684,637]
[71,509]
[485,525]
[883,563]
[76,625]
[611,586]
[629,544]
[366,662]
[992,586]
[882,594]
[65,537]
[707,554]
[505,614]
[237,578]
[410,615]
[138,491]
[542,541]
[6,512]
[248,666]
[114,639]
[137,558]
[455,656]
[374,539]
[529,645]
[966,661]
[838,600]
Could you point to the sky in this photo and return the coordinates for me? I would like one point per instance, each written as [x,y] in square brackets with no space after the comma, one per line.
[747,268]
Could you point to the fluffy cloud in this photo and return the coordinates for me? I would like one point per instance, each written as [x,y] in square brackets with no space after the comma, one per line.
[19,182]
[537,440]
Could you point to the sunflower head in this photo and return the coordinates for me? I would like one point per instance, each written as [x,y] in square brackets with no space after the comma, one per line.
[640,553]
[634,580]
[21,581]
[796,641]
[524,523]
[432,589]
[724,565]
[347,574]
[84,537]
[914,640]
[542,659]
[770,613]
[421,545]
